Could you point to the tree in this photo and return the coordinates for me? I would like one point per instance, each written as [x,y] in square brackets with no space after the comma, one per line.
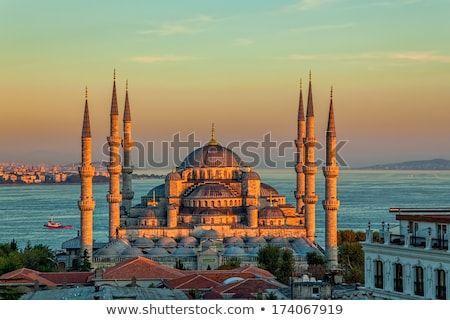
[316,264]
[232,263]
[280,262]
[39,257]
[351,255]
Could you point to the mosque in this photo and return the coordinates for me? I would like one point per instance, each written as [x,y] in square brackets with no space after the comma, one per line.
[212,207]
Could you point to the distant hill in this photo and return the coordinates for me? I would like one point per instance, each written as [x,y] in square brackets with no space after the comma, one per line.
[434,164]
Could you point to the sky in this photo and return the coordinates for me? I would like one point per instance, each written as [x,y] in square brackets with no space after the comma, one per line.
[237,64]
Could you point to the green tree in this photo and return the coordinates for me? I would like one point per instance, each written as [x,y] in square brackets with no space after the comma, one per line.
[351,255]
[39,257]
[278,261]
[232,263]
[316,264]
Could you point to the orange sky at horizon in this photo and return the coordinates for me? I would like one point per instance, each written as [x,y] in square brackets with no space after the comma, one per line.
[238,69]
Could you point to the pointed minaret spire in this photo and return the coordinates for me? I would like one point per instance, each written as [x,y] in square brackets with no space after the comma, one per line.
[331,130]
[213,141]
[86,204]
[127,169]
[114,167]
[300,158]
[86,123]
[331,203]
[309,169]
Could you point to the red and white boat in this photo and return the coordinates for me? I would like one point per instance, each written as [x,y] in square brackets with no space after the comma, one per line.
[51,224]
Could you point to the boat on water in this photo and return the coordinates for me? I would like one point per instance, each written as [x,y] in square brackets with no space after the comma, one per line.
[52,224]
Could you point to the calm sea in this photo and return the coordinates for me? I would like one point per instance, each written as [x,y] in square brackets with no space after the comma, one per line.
[365,196]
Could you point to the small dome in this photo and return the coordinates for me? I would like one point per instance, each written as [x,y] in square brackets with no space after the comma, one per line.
[279,241]
[131,252]
[234,251]
[143,243]
[182,251]
[251,175]
[268,190]
[166,242]
[210,234]
[271,212]
[158,191]
[106,251]
[173,176]
[188,242]
[232,280]
[234,241]
[73,243]
[158,251]
[256,241]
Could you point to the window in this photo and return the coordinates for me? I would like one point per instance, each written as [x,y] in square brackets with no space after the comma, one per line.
[398,279]
[379,274]
[418,281]
[440,285]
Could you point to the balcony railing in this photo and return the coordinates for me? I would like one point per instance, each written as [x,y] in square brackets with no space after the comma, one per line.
[397,239]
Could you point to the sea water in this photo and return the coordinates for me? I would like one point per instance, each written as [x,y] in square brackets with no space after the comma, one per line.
[365,196]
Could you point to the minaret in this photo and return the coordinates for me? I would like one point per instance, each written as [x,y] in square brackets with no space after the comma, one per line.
[331,203]
[300,191]
[86,204]
[309,169]
[127,169]
[114,168]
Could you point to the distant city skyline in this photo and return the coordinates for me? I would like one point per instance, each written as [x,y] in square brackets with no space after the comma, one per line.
[235,64]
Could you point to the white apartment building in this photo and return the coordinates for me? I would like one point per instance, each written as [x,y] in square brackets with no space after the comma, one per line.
[412,260]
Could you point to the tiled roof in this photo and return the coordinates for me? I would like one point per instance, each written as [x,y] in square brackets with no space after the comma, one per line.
[252,285]
[141,268]
[52,279]
[192,281]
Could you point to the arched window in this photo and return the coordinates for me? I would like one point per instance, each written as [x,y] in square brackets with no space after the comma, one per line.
[418,281]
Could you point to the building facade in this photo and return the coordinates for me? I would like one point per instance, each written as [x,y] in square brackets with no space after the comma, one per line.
[411,261]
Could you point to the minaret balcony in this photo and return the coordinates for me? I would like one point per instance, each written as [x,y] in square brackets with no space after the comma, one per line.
[330,171]
[310,141]
[113,198]
[127,195]
[331,204]
[299,194]
[114,140]
[127,170]
[114,169]
[310,199]
[299,168]
[86,205]
[86,171]
[309,170]
[128,144]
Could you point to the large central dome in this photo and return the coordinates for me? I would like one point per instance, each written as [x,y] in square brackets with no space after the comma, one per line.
[212,155]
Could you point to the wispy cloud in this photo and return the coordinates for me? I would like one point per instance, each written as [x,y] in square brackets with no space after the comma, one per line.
[421,57]
[161,58]
[386,56]
[323,27]
[304,5]
[188,26]
[242,42]
[396,3]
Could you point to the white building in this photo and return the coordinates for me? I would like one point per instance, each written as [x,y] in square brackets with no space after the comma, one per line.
[412,260]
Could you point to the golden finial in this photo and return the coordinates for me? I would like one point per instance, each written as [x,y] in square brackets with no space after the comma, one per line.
[114,74]
[270,198]
[173,169]
[86,93]
[310,76]
[300,83]
[213,141]
[331,93]
[126,86]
